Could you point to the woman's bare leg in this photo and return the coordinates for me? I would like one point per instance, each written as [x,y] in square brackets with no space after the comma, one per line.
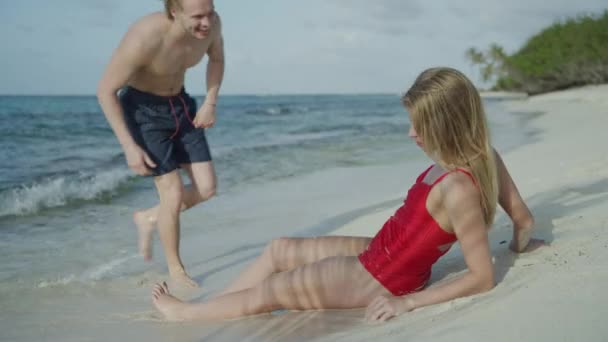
[332,283]
[288,253]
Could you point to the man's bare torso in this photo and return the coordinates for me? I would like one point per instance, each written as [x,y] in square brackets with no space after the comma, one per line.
[165,70]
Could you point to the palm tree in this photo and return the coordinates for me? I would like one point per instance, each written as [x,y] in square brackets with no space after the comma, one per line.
[491,63]
[474,56]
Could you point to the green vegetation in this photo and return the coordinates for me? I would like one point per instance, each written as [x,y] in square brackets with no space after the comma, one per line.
[566,54]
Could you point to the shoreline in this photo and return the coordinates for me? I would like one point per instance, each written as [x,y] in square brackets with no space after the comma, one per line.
[503,95]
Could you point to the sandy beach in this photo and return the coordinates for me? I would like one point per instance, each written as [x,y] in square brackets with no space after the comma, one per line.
[552,294]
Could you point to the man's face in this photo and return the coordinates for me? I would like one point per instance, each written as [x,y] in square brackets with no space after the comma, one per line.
[196,16]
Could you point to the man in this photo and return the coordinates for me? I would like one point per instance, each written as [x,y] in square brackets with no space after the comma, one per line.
[157,122]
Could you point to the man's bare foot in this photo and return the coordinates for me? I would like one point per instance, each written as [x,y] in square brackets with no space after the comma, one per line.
[180,277]
[145,228]
[170,307]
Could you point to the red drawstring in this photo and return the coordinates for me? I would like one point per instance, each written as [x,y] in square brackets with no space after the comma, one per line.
[186,110]
[175,117]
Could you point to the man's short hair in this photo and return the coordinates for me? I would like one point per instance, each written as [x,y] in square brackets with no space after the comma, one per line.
[171,5]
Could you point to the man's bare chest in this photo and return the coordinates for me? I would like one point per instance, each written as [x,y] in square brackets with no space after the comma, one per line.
[168,61]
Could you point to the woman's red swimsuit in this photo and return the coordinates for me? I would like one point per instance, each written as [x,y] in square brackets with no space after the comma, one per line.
[401,255]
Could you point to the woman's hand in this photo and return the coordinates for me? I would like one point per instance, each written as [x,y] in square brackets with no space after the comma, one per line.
[523,241]
[383,308]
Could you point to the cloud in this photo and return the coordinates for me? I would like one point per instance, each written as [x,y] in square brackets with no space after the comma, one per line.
[389,41]
[287,46]
[429,25]
[434,18]
[25,28]
[99,13]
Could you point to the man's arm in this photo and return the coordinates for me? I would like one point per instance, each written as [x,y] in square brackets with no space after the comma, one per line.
[126,60]
[513,204]
[205,117]
[215,66]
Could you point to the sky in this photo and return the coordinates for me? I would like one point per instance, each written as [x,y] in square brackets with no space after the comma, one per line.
[275,46]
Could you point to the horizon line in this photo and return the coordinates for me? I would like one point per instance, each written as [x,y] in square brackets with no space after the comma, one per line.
[229,94]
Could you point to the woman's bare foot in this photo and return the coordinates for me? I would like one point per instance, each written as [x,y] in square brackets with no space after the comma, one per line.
[170,307]
[182,278]
[145,228]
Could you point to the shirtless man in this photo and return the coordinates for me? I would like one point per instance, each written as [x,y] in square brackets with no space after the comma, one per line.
[157,123]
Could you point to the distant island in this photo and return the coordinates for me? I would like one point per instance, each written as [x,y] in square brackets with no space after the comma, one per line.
[569,53]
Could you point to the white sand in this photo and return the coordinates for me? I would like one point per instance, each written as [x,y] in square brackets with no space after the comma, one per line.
[557,293]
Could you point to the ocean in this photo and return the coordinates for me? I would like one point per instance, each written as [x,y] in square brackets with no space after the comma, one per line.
[67,196]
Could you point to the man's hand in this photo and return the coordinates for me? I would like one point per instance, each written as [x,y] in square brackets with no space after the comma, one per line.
[205,117]
[138,160]
[383,308]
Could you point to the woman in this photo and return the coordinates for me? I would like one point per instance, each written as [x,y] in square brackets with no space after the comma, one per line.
[454,199]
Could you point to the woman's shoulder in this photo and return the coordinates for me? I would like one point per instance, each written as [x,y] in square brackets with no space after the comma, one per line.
[459,186]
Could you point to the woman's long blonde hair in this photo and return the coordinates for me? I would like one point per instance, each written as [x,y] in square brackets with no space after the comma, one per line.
[448,116]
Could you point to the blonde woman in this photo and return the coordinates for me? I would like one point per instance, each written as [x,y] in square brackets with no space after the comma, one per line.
[453,200]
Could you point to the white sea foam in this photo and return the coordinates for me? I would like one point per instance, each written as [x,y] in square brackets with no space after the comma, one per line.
[59,191]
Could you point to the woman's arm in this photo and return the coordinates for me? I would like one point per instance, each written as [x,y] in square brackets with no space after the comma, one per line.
[512,203]
[462,205]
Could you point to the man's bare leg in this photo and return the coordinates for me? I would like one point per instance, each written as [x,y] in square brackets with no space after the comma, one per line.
[203,179]
[332,283]
[289,253]
[170,192]
[145,230]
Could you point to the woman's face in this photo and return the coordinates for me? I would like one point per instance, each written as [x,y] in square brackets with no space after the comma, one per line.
[413,134]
